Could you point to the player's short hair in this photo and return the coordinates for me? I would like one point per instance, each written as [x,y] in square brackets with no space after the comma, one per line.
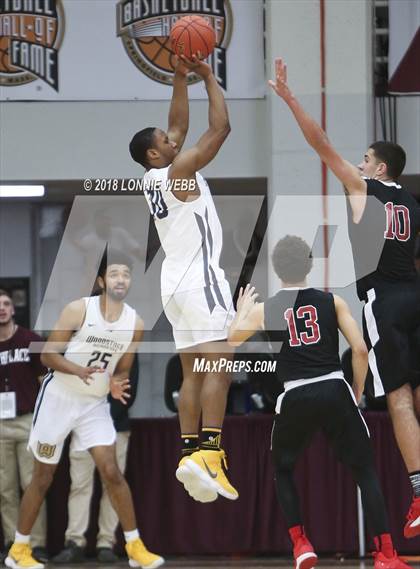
[114,257]
[292,259]
[5,293]
[141,142]
[393,155]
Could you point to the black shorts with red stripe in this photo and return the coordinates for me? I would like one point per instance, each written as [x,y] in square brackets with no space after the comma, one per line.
[391,327]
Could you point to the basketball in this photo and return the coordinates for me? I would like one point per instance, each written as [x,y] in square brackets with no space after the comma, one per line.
[193,35]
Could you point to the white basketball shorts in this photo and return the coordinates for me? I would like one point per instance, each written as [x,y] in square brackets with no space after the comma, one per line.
[59,412]
[201,315]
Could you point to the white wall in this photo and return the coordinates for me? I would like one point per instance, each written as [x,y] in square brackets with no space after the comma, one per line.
[48,141]
[294,34]
[15,240]
[408,131]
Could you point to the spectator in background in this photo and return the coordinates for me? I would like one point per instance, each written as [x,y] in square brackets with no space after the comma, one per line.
[104,229]
[82,468]
[21,372]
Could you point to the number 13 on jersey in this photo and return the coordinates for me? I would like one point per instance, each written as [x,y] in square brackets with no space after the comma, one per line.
[310,315]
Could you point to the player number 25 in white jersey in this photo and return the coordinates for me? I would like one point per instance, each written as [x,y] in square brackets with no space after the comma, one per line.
[97,343]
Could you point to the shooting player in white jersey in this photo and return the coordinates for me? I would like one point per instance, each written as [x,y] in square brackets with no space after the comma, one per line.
[195,294]
[89,353]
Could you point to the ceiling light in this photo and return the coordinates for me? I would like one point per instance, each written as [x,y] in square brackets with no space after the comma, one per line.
[21,191]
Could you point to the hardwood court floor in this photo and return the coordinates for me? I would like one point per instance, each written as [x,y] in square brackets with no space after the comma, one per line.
[223,563]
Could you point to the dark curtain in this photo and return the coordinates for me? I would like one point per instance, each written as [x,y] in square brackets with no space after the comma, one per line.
[173,524]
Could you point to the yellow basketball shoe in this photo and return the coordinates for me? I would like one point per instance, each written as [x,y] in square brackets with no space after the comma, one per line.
[193,485]
[20,557]
[139,556]
[182,473]
[207,465]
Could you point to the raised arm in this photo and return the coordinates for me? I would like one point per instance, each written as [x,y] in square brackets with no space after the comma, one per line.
[71,319]
[359,352]
[249,317]
[348,174]
[178,120]
[187,163]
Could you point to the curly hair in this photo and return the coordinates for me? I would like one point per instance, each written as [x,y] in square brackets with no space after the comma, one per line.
[292,259]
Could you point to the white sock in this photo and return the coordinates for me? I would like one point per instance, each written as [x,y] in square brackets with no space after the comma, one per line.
[131,535]
[19,538]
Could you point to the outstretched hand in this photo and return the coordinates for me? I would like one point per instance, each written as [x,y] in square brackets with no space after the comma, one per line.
[246,300]
[120,389]
[280,86]
[197,65]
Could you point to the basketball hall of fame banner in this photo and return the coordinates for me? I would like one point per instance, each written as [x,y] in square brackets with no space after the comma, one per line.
[84,50]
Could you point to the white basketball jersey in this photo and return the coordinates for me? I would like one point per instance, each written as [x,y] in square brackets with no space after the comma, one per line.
[190,234]
[98,343]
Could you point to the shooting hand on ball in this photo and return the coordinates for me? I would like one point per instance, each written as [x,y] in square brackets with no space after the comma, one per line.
[180,67]
[196,65]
